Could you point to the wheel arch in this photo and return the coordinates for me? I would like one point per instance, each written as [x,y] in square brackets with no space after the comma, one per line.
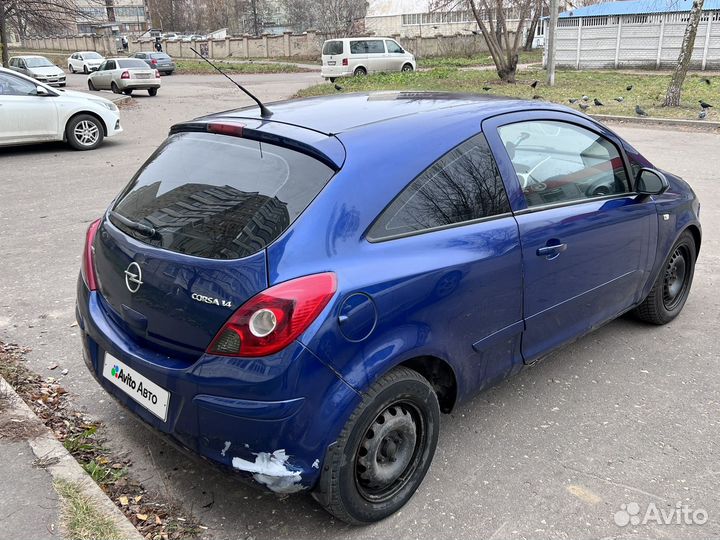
[440,375]
[89,113]
[697,237]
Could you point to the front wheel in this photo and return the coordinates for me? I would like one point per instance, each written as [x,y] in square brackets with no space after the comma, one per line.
[152,91]
[384,451]
[91,86]
[407,68]
[672,287]
[84,132]
[71,69]
[85,70]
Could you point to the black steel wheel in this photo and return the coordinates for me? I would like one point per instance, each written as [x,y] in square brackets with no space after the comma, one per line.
[384,451]
[672,287]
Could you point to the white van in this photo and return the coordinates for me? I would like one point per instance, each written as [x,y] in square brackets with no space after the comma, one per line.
[360,56]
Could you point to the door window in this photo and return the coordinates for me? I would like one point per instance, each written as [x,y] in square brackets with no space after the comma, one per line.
[393,47]
[375,46]
[15,86]
[557,162]
[463,185]
[110,64]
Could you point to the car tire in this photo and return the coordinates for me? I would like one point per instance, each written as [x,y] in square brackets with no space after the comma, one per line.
[128,91]
[85,69]
[168,73]
[407,68]
[398,419]
[114,87]
[152,92]
[332,79]
[360,71]
[672,287]
[84,132]
[91,86]
[71,69]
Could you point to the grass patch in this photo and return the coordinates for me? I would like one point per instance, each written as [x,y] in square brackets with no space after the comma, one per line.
[483,59]
[196,67]
[648,88]
[80,517]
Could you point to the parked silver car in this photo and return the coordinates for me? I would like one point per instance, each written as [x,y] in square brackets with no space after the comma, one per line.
[360,56]
[39,68]
[123,75]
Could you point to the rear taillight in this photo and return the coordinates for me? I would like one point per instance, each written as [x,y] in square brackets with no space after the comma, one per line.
[345,62]
[87,270]
[157,74]
[125,75]
[272,319]
[153,62]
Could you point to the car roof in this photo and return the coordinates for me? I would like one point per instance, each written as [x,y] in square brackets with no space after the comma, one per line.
[332,115]
[28,56]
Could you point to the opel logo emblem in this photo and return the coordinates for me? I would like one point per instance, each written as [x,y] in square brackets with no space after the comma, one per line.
[133,277]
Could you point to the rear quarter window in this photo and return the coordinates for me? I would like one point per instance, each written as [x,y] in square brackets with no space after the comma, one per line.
[219,197]
[333,47]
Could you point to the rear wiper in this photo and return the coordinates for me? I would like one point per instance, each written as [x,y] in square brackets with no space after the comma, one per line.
[134,225]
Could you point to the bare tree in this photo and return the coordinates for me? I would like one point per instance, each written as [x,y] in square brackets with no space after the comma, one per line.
[336,18]
[537,12]
[503,41]
[672,98]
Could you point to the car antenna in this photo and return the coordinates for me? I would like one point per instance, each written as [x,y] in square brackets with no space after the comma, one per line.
[264,111]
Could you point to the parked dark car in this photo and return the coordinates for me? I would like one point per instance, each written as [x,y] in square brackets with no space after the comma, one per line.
[158,60]
[298,297]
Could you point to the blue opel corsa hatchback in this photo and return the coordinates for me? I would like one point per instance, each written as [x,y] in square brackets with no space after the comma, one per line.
[298,297]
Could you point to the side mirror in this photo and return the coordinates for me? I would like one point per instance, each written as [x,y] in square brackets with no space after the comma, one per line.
[41,91]
[651,182]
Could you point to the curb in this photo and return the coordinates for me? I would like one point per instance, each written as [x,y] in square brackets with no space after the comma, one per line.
[61,465]
[654,121]
[119,100]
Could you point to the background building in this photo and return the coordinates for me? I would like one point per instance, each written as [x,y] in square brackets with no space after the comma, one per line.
[115,16]
[636,33]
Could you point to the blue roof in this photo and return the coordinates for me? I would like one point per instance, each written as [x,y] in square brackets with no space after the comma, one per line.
[632,7]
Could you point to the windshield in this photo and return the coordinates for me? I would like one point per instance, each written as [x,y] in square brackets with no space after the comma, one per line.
[216,196]
[38,62]
[131,63]
[91,56]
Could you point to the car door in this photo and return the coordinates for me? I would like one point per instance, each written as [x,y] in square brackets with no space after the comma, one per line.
[377,57]
[104,75]
[588,240]
[24,115]
[395,57]
[450,250]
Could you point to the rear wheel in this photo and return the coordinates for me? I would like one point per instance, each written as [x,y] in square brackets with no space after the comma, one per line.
[672,287]
[360,71]
[407,68]
[115,88]
[384,450]
[152,91]
[84,132]
[332,79]
[128,91]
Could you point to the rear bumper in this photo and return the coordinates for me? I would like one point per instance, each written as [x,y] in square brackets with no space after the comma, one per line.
[335,71]
[270,419]
[139,84]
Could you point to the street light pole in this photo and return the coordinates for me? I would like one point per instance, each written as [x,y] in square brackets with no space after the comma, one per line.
[550,42]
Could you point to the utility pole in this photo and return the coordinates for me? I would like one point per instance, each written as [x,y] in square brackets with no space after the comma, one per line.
[550,42]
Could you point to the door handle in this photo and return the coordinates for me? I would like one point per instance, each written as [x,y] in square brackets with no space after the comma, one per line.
[551,251]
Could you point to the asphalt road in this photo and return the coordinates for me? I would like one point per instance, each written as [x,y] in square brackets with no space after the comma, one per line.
[628,414]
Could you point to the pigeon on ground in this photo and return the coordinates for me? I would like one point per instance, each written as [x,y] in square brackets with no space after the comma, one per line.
[598,103]
[585,98]
[534,84]
[537,96]
[619,99]
[338,87]
[629,87]
[706,81]
[584,106]
[702,115]
[704,105]
[486,88]
[573,100]
[640,111]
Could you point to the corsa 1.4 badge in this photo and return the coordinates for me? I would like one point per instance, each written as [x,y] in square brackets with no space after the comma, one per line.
[148,394]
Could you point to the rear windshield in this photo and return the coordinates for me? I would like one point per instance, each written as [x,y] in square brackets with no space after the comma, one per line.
[162,56]
[333,47]
[131,63]
[217,196]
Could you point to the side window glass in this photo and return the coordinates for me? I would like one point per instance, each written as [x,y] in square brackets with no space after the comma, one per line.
[14,86]
[558,162]
[110,65]
[375,46]
[463,185]
[358,47]
[393,47]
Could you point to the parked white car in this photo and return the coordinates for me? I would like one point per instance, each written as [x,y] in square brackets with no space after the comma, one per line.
[39,68]
[32,112]
[85,61]
[360,56]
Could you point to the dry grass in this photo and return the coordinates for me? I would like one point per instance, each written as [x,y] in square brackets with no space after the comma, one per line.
[81,519]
